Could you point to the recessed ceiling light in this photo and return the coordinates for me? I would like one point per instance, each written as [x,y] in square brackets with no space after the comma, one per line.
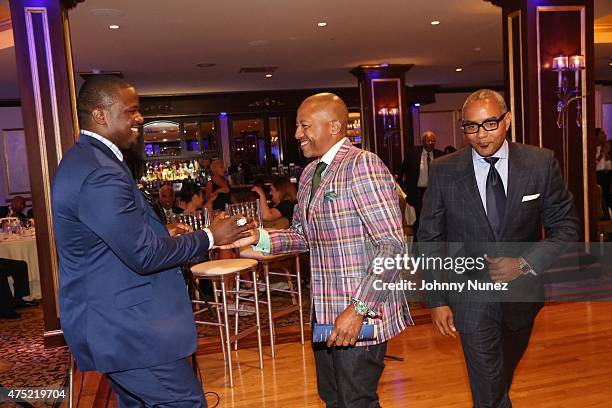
[268,75]
[435,22]
[459,69]
[416,105]
[205,64]
[113,26]
[322,24]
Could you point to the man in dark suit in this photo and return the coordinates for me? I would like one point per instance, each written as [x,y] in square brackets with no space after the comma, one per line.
[166,204]
[495,191]
[15,209]
[124,306]
[414,173]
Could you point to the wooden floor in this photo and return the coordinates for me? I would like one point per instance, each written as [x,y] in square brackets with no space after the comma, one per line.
[568,365]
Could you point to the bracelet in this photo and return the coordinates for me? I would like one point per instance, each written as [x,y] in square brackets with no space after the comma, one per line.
[362,309]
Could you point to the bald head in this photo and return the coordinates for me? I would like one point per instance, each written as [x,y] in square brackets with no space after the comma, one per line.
[321,122]
[329,105]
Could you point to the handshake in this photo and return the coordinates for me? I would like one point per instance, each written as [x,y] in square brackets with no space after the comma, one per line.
[228,231]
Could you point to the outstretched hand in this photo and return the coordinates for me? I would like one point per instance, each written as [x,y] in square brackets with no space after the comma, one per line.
[251,239]
[226,230]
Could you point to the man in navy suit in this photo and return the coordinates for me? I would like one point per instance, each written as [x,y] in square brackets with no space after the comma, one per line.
[124,306]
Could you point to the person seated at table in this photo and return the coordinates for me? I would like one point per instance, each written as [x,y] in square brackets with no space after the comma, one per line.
[218,188]
[15,209]
[190,198]
[18,270]
[283,193]
[167,203]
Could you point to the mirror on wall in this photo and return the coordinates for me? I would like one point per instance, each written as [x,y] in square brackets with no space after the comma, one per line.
[162,138]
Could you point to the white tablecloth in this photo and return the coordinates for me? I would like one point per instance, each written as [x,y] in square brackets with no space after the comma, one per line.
[23,248]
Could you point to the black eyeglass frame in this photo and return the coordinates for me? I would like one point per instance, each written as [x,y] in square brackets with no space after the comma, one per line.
[482,125]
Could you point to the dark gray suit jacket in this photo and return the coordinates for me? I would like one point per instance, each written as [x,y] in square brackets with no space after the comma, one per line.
[453,212]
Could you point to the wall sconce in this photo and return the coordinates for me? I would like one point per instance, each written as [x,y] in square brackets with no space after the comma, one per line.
[565,96]
[391,131]
[389,117]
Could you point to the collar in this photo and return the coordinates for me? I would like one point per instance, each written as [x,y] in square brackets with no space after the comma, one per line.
[328,157]
[106,142]
[502,153]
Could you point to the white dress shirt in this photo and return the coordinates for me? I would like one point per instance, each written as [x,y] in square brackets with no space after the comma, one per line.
[424,168]
[106,142]
[328,157]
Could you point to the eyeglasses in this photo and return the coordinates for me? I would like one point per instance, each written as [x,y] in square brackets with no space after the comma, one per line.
[489,125]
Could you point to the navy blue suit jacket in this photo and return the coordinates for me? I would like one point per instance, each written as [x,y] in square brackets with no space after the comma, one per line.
[123,300]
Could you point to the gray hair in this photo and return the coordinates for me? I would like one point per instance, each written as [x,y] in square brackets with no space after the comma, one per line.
[483,94]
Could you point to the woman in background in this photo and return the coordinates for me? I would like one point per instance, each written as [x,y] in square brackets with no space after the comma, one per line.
[190,198]
[283,194]
[217,188]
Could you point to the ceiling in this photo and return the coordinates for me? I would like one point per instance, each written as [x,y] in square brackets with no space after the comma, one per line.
[159,43]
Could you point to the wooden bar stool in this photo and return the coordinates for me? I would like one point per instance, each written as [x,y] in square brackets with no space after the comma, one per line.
[265,261]
[221,272]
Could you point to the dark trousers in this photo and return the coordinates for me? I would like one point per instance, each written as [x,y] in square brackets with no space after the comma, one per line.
[492,353]
[347,377]
[168,385]
[18,270]
[418,205]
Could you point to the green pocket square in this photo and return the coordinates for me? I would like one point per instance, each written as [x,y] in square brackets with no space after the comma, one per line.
[330,196]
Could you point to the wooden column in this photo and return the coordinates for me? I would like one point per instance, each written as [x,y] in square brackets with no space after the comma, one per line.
[384,86]
[46,85]
[536,31]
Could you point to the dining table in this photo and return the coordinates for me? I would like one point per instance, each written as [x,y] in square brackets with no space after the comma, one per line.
[22,247]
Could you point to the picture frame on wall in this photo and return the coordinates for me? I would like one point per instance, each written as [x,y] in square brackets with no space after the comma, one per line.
[15,158]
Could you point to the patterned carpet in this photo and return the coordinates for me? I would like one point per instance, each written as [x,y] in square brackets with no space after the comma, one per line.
[23,360]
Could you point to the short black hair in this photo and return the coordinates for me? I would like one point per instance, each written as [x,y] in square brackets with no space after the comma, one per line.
[98,91]
[188,190]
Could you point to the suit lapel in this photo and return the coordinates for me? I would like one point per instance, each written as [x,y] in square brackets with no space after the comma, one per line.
[315,203]
[96,144]
[469,189]
[518,174]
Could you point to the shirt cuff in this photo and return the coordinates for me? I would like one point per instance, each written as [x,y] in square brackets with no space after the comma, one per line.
[263,245]
[211,238]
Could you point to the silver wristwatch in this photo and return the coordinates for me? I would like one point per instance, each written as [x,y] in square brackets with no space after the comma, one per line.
[525,268]
[362,309]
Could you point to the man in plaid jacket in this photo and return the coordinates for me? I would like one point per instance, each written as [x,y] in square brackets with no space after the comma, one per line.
[346,216]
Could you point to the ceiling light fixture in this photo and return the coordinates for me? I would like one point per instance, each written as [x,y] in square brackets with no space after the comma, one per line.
[459,69]
[435,22]
[113,26]
[322,24]
[268,75]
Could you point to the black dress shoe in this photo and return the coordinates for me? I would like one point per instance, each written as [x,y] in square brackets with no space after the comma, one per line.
[11,314]
[25,303]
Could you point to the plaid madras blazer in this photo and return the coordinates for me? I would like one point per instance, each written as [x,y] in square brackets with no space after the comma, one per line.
[353,218]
